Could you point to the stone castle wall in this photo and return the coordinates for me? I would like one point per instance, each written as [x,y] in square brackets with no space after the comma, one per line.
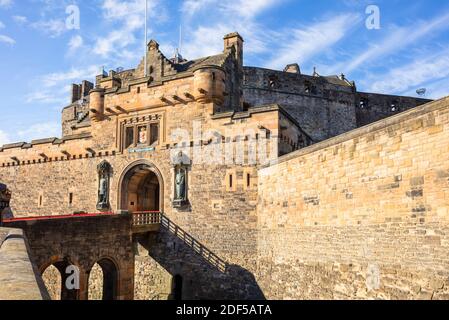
[363,215]
[82,242]
[323,106]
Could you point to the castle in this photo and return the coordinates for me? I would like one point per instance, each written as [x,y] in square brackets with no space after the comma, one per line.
[279,185]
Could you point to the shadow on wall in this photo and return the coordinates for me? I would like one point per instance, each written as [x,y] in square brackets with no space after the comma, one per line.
[197,272]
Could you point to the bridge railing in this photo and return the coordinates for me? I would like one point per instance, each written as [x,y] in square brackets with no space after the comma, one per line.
[195,245]
[144,218]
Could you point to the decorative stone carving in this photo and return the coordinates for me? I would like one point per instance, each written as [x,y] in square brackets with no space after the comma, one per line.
[104,170]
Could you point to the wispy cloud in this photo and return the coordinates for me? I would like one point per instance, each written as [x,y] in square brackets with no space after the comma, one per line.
[40,130]
[306,42]
[4,138]
[408,77]
[5,3]
[398,38]
[53,27]
[209,20]
[75,43]
[7,40]
[128,19]
[50,91]
[1,25]
[20,19]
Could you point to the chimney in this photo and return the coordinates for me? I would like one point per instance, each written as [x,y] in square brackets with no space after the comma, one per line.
[86,86]
[236,41]
[76,93]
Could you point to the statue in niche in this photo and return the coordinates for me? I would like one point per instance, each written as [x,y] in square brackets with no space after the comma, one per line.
[180,180]
[104,173]
[180,184]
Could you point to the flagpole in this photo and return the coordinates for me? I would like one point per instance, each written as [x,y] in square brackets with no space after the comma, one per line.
[146,37]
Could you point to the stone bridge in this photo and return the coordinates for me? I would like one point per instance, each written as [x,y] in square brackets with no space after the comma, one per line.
[61,242]
[103,248]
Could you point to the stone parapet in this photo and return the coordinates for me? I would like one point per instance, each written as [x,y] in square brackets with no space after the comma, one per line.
[19,278]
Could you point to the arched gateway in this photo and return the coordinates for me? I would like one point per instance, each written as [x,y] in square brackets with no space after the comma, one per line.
[141,188]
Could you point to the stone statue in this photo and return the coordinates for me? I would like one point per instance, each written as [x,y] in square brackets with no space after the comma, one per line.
[104,172]
[103,190]
[180,184]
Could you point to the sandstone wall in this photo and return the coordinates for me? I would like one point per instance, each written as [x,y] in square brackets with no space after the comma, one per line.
[19,277]
[323,106]
[82,242]
[363,215]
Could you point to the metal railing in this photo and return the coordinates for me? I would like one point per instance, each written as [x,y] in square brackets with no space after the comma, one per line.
[196,246]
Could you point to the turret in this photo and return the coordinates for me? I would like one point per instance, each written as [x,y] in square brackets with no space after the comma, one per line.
[96,105]
[209,84]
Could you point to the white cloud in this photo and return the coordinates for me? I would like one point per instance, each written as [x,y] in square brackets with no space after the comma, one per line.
[1,25]
[4,138]
[7,40]
[53,27]
[48,96]
[57,78]
[249,9]
[413,75]
[192,7]
[302,44]
[127,18]
[75,43]
[56,86]
[240,8]
[5,3]
[396,40]
[39,131]
[219,18]
[20,19]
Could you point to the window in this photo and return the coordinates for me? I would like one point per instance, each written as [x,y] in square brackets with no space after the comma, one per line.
[79,116]
[129,137]
[141,135]
[70,198]
[309,87]
[231,181]
[40,201]
[138,89]
[363,103]
[154,133]
[248,180]
[272,81]
[394,107]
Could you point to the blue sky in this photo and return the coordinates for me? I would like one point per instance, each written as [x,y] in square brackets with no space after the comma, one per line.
[40,56]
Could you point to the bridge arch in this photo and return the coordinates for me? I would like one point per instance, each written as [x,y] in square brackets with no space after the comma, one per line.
[55,274]
[141,188]
[103,280]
